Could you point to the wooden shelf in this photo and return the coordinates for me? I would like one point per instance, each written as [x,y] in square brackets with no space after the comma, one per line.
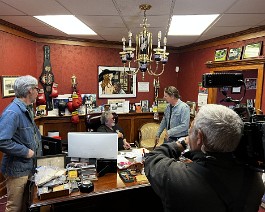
[229,63]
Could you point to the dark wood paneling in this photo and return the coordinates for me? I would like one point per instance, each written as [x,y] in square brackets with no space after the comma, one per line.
[61,124]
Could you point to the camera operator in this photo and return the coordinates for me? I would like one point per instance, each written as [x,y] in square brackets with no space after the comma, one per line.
[210,179]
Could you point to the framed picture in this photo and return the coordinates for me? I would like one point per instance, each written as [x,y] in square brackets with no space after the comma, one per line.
[251,83]
[236,90]
[58,160]
[114,82]
[90,100]
[192,107]
[161,105]
[235,53]
[220,54]
[8,86]
[145,105]
[252,50]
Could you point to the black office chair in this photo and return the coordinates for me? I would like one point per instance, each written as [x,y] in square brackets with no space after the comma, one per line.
[93,121]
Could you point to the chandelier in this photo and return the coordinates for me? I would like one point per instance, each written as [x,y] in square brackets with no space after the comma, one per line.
[144,53]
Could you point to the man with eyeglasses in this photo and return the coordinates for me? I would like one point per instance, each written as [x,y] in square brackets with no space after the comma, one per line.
[176,119]
[108,125]
[20,141]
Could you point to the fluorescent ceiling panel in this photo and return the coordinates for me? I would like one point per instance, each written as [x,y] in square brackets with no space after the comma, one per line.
[68,24]
[190,24]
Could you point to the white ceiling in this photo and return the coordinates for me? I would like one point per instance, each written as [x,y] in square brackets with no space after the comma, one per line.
[112,19]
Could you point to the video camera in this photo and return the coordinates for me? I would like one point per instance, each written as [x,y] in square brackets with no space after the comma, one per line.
[250,150]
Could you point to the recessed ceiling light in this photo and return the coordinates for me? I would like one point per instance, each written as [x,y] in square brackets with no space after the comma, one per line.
[190,24]
[68,24]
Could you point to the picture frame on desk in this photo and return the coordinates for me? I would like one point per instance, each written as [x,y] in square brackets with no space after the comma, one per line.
[145,105]
[108,76]
[192,106]
[8,86]
[161,105]
[58,160]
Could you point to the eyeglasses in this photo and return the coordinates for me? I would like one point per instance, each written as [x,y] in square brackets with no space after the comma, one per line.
[37,89]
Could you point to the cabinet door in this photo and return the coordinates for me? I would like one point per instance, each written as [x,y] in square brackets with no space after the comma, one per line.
[126,124]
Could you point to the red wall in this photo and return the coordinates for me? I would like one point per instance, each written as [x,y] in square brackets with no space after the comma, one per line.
[17,57]
[83,62]
[20,56]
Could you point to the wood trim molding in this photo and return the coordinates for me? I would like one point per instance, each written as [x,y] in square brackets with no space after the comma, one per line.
[255,61]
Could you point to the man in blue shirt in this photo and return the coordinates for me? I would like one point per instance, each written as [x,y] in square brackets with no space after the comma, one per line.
[20,141]
[176,119]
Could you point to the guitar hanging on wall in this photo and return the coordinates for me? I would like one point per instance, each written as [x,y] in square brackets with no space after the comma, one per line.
[47,78]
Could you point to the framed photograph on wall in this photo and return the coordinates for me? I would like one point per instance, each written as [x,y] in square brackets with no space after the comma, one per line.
[252,50]
[220,54]
[8,86]
[235,53]
[236,90]
[109,78]
[251,83]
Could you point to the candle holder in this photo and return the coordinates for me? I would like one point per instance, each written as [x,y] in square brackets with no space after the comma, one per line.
[144,56]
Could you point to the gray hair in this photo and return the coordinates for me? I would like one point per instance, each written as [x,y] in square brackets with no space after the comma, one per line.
[104,116]
[221,128]
[23,84]
[172,91]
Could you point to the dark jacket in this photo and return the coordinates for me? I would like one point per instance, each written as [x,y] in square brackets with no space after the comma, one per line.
[183,188]
[104,128]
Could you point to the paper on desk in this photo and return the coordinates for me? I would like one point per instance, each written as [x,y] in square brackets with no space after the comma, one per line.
[47,173]
[122,162]
[141,178]
[121,158]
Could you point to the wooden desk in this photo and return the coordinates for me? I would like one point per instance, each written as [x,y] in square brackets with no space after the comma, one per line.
[110,193]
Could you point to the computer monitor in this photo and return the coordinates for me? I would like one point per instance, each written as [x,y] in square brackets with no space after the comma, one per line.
[97,145]
[51,146]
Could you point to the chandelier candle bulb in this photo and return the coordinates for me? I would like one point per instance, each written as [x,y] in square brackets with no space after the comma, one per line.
[165,43]
[130,39]
[159,39]
[123,43]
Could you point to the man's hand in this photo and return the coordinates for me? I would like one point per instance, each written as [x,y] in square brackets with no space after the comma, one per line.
[30,153]
[126,145]
[120,135]
[156,142]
